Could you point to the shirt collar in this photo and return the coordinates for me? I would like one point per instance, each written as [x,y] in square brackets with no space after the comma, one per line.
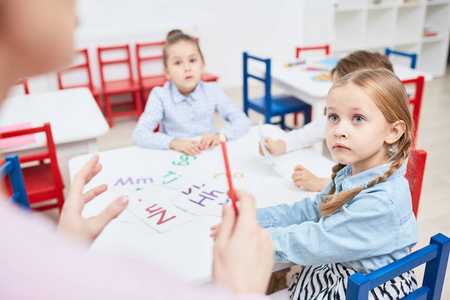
[346,181]
[178,97]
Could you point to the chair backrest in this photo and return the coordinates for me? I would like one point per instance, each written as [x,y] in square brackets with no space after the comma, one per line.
[84,66]
[326,48]
[416,101]
[103,62]
[413,56]
[141,57]
[49,154]
[13,170]
[267,80]
[434,255]
[24,82]
[414,175]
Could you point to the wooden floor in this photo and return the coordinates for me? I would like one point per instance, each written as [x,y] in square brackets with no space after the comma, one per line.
[433,137]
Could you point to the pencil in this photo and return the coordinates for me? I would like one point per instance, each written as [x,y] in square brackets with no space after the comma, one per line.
[232,193]
[299,62]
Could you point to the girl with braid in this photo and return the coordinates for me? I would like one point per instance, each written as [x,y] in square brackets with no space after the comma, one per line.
[363,219]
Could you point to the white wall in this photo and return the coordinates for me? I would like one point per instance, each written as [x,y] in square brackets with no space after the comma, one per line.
[226,28]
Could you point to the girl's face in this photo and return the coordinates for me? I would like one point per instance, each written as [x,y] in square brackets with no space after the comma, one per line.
[184,66]
[357,131]
[37,34]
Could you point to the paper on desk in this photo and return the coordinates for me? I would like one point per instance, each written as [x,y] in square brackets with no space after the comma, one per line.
[268,157]
[18,140]
[152,207]
[201,196]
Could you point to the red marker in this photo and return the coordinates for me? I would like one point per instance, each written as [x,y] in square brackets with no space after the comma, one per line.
[232,193]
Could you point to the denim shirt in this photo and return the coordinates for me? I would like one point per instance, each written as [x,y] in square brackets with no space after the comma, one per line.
[373,229]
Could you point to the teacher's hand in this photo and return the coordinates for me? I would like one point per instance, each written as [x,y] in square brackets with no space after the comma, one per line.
[71,221]
[243,251]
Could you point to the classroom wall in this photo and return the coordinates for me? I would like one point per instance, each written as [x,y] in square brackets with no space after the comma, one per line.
[226,28]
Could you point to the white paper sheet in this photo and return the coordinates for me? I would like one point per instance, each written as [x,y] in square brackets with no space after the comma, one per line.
[153,207]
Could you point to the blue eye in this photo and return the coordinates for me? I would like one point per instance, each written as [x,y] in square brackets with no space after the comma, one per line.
[193,60]
[333,118]
[178,63]
[358,119]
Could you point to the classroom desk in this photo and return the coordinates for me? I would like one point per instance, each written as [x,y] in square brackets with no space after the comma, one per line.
[298,82]
[186,251]
[75,118]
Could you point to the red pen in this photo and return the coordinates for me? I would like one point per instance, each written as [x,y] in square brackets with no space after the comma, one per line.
[232,193]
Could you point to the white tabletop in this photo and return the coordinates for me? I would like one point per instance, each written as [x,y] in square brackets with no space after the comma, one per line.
[186,251]
[74,116]
[298,79]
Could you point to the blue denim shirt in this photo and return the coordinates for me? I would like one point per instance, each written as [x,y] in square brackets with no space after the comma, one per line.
[373,229]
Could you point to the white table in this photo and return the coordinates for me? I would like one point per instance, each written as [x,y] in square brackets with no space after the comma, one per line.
[75,118]
[186,251]
[298,82]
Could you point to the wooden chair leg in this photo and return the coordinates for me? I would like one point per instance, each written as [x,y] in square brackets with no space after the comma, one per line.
[138,102]
[108,111]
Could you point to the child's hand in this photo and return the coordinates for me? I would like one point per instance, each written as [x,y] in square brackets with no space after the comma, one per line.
[243,251]
[189,147]
[303,177]
[274,147]
[209,140]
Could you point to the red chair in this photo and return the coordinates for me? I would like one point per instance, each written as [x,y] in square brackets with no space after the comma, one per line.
[83,66]
[148,82]
[298,50]
[414,175]
[416,102]
[326,48]
[125,85]
[43,180]
[24,82]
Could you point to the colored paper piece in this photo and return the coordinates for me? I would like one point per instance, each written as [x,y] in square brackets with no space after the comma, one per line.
[201,197]
[152,207]
[268,157]
[330,62]
[18,140]
[134,182]
[322,77]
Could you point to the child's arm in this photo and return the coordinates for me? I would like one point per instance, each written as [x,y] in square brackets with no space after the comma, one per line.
[239,124]
[367,228]
[310,134]
[143,134]
[285,215]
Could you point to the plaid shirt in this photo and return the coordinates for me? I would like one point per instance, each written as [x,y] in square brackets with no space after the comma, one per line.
[184,117]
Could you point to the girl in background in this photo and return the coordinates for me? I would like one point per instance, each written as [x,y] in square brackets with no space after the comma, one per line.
[184,106]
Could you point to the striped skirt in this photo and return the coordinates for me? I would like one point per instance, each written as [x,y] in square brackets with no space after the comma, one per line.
[330,282]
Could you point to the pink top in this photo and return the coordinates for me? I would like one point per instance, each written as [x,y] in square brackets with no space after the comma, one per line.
[37,263]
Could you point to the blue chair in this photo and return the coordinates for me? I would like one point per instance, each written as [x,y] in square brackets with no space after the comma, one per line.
[413,56]
[271,106]
[13,169]
[434,255]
